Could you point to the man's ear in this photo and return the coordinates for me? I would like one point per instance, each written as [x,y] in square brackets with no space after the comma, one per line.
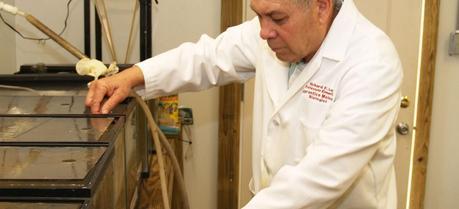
[325,10]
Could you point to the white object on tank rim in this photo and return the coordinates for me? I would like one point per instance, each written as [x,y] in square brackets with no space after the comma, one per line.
[95,68]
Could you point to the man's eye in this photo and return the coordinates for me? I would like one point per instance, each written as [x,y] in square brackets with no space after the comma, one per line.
[279,20]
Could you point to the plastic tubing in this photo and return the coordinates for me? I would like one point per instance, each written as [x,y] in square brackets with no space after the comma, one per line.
[155,131]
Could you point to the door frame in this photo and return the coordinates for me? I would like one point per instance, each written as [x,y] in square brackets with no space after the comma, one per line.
[424,103]
[230,97]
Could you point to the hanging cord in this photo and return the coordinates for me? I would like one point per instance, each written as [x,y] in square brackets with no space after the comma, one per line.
[39,39]
[188,139]
[43,28]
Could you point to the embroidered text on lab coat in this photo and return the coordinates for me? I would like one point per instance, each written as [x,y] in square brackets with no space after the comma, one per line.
[318,92]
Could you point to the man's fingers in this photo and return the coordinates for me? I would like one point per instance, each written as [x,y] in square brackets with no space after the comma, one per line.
[94,106]
[96,94]
[117,88]
[90,94]
[116,98]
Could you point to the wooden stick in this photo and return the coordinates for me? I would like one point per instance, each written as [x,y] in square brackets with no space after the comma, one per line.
[54,36]
[131,31]
[102,11]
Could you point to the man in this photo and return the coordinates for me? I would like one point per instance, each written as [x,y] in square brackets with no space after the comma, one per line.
[327,88]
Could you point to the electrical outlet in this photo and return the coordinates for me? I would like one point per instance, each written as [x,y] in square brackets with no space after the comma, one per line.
[186,115]
[454,43]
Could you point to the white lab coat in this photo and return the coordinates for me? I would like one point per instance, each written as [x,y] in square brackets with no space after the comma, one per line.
[327,141]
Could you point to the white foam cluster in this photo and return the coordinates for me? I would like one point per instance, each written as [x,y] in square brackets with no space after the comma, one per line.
[95,68]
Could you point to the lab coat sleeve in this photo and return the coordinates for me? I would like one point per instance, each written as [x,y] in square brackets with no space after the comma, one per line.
[204,64]
[357,125]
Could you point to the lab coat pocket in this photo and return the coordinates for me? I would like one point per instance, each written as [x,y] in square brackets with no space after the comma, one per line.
[313,113]
[310,131]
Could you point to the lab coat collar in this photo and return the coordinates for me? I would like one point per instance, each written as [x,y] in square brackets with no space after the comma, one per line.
[334,47]
[339,36]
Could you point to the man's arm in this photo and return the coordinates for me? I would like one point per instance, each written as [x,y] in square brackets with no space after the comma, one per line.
[207,63]
[189,67]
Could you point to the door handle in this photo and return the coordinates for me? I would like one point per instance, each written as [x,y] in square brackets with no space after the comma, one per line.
[405,102]
[403,128]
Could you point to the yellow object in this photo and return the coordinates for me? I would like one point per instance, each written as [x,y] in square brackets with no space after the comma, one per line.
[168,115]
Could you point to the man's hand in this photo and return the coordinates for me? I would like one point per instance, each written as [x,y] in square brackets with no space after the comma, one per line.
[116,87]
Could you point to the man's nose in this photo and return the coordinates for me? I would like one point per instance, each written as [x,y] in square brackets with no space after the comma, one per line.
[267,31]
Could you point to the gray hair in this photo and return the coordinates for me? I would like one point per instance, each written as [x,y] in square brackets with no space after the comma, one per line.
[336,5]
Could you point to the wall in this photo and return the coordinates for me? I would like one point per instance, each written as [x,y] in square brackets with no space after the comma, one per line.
[443,168]
[120,15]
[32,52]
[175,22]
[7,42]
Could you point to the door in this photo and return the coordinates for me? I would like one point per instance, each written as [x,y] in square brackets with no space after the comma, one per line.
[401,20]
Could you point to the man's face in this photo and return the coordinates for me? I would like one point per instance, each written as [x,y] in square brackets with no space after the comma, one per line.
[294,31]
